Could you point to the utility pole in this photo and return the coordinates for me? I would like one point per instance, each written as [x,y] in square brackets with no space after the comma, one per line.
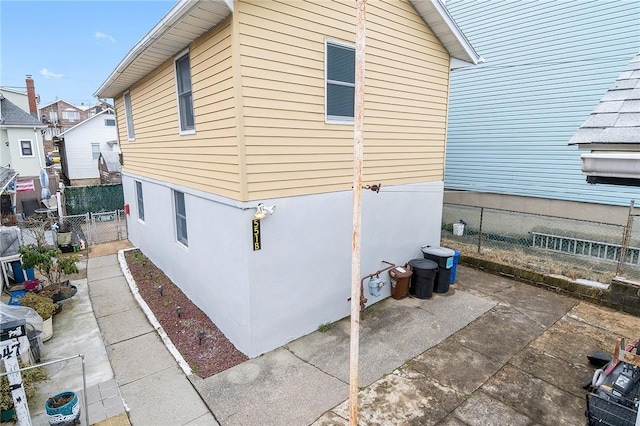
[358,124]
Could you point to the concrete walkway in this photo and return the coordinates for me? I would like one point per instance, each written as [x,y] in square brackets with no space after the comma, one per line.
[492,351]
[152,385]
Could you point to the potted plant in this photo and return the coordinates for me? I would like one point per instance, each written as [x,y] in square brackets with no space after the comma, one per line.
[63,408]
[45,307]
[29,380]
[51,264]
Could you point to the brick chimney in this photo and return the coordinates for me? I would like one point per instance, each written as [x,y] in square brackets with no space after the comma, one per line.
[31,95]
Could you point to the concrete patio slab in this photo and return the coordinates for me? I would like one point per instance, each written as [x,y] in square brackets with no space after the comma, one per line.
[102,261]
[566,375]
[620,324]
[330,419]
[274,389]
[572,340]
[442,364]
[141,356]
[404,398]
[500,333]
[482,410]
[535,398]
[392,332]
[113,303]
[167,397]
[107,286]
[103,272]
[124,326]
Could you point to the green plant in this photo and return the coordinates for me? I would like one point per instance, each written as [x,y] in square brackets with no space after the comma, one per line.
[48,261]
[44,306]
[324,327]
[29,380]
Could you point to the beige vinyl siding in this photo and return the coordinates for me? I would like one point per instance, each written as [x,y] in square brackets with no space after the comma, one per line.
[206,160]
[290,150]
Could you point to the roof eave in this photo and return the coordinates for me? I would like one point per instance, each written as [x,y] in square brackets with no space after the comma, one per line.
[104,111]
[437,16]
[23,126]
[110,88]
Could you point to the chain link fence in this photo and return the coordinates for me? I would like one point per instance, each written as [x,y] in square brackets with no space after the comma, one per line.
[84,229]
[578,249]
[96,228]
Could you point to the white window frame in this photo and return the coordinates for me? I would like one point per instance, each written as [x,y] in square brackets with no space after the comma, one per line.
[66,114]
[128,115]
[113,120]
[95,155]
[183,240]
[53,116]
[327,118]
[181,130]
[140,200]
[22,154]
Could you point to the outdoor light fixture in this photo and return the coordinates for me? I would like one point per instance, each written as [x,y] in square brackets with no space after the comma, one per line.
[179,311]
[262,211]
[200,334]
[160,290]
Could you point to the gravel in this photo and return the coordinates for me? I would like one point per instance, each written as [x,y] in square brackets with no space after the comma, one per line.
[206,353]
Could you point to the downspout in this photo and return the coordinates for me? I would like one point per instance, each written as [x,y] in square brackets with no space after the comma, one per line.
[40,148]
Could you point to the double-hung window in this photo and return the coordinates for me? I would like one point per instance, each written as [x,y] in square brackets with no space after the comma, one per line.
[95,151]
[181,217]
[185,98]
[26,149]
[140,200]
[340,79]
[128,115]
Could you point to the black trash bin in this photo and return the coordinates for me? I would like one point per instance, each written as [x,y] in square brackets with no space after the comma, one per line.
[424,272]
[444,258]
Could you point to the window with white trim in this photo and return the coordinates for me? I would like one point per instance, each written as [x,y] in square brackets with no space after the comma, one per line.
[128,115]
[110,122]
[95,151]
[71,115]
[181,217]
[53,116]
[185,98]
[340,79]
[26,148]
[140,199]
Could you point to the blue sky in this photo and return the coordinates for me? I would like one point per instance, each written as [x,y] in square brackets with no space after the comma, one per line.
[70,47]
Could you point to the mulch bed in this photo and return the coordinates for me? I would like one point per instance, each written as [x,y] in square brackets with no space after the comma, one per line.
[206,356]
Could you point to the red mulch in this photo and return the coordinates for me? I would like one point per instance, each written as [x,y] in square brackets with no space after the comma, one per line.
[215,353]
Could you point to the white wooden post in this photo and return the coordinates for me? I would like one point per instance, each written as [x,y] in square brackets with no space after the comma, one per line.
[9,352]
[358,123]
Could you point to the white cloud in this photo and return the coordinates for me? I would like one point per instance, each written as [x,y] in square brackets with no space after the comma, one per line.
[48,74]
[99,35]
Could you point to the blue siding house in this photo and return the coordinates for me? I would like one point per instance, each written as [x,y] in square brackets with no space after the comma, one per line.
[548,64]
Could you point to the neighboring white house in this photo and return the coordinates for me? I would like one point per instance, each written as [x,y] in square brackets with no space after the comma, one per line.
[21,150]
[80,147]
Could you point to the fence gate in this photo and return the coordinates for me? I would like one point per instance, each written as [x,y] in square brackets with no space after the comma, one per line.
[107,226]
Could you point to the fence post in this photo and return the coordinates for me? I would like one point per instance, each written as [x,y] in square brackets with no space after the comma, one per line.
[89,228]
[626,235]
[480,231]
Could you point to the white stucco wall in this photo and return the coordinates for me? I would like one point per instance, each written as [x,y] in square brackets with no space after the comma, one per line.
[301,276]
[77,141]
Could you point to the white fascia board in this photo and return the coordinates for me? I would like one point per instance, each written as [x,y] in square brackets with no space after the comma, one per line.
[179,11]
[426,8]
[104,111]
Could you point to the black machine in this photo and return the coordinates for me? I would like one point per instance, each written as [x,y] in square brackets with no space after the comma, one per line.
[615,395]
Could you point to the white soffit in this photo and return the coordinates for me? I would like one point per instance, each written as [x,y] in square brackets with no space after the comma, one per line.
[436,15]
[186,21]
